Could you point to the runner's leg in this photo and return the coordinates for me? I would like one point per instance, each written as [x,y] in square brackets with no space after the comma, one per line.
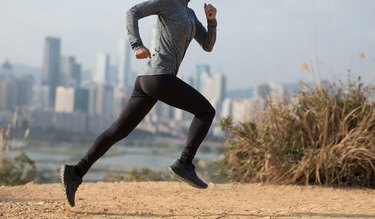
[135,110]
[175,92]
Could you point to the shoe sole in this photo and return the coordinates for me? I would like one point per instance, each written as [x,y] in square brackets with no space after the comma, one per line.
[62,171]
[184,180]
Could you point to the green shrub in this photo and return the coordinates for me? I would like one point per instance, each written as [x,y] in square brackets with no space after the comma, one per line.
[16,171]
[326,135]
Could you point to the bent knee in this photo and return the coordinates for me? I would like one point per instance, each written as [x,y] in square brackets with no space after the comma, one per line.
[211,112]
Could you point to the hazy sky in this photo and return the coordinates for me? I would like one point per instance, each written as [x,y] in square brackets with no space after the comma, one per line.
[258,40]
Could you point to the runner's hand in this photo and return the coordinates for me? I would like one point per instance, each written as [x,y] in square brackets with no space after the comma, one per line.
[210,11]
[142,53]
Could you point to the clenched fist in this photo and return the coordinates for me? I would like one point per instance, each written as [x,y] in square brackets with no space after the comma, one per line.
[210,11]
[142,53]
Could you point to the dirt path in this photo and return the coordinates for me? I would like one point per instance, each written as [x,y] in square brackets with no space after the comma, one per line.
[177,200]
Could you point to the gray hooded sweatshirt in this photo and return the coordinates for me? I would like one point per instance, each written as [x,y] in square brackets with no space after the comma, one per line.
[177,25]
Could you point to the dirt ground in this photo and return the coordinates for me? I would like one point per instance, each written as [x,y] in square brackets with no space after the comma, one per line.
[177,200]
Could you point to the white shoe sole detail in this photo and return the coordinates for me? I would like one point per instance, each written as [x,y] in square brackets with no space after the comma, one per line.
[62,171]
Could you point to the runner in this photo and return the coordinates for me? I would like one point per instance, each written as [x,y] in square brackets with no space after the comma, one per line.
[177,25]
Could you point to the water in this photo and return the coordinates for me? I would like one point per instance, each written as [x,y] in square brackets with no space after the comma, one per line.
[119,159]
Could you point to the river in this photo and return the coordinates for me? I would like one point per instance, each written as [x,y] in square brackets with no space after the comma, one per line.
[120,158]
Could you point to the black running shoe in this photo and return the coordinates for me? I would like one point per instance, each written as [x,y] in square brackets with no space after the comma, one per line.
[186,173]
[70,182]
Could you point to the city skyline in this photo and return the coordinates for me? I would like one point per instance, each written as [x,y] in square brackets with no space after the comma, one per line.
[257,40]
[76,103]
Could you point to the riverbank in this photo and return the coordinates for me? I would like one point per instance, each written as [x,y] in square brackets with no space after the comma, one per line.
[121,158]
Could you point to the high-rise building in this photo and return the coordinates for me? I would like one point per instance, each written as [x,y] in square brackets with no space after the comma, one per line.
[64,99]
[102,68]
[266,94]
[277,90]
[92,99]
[113,75]
[226,108]
[202,71]
[241,110]
[15,92]
[165,111]
[51,66]
[269,91]
[104,100]
[6,68]
[8,93]
[40,98]
[65,69]
[91,88]
[262,90]
[70,72]
[5,74]
[178,114]
[213,87]
[123,65]
[69,100]
[76,77]
[24,90]
[81,100]
[120,99]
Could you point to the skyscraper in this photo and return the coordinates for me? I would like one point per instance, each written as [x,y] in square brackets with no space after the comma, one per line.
[262,90]
[6,68]
[8,93]
[120,97]
[241,110]
[104,100]
[91,88]
[102,68]
[201,72]
[64,99]
[70,72]
[81,100]
[226,108]
[40,97]
[51,67]
[277,90]
[213,87]
[69,100]
[24,90]
[219,87]
[123,64]
[15,92]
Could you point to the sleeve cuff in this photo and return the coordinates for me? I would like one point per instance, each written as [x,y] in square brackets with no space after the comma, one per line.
[136,45]
[212,23]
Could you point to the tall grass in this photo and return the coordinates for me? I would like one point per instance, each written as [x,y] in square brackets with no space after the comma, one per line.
[326,136]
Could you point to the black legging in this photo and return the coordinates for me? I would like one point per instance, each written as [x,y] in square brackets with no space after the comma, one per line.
[148,89]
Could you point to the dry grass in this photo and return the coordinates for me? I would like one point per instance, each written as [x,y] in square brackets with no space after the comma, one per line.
[326,136]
